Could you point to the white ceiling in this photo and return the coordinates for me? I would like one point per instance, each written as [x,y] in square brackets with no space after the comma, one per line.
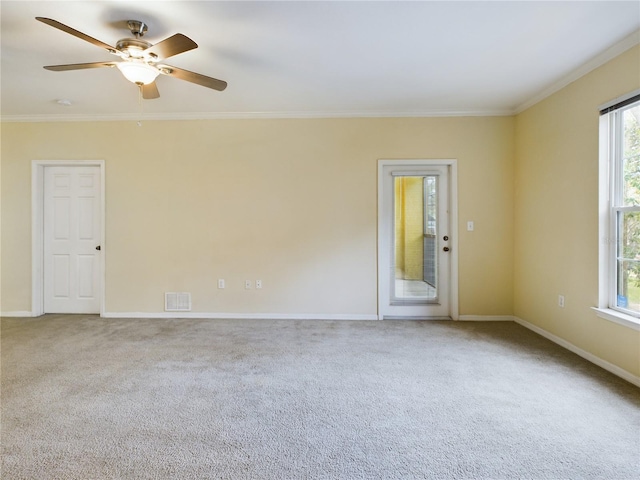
[304,59]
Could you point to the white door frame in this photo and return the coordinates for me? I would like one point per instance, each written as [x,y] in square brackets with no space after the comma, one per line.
[37,229]
[452,165]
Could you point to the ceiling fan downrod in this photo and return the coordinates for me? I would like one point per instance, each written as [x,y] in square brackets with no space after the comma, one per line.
[138,28]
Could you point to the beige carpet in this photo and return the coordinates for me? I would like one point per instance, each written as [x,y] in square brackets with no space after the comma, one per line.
[91,398]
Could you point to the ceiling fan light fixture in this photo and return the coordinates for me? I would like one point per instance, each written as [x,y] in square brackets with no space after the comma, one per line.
[138,72]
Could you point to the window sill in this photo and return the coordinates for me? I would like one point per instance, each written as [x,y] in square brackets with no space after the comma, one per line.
[618,317]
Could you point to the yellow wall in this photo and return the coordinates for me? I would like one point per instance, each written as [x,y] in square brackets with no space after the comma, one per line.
[290,202]
[556,213]
[189,202]
[398,206]
[409,205]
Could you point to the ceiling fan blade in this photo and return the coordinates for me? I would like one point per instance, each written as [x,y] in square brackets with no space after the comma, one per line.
[192,77]
[79,66]
[171,46]
[150,91]
[76,33]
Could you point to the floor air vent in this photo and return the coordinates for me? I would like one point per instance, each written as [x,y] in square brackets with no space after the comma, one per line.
[177,301]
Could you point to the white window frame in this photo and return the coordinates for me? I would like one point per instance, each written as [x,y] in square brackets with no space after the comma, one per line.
[610,174]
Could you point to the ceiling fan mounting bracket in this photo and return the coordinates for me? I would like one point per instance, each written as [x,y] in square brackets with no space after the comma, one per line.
[138,28]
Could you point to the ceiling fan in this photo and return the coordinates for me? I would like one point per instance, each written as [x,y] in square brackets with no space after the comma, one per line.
[139,58]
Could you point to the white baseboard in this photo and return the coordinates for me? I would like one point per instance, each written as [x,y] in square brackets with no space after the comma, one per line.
[486,318]
[620,372]
[221,316]
[241,316]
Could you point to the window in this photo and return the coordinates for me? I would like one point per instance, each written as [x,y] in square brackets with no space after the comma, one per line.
[620,138]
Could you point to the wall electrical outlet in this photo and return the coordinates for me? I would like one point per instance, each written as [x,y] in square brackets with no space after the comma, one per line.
[561,301]
[221,283]
[258,283]
[247,284]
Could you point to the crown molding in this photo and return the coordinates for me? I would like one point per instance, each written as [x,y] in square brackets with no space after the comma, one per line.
[610,53]
[622,46]
[249,115]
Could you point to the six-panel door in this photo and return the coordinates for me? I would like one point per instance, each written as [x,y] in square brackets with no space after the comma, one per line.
[71,234]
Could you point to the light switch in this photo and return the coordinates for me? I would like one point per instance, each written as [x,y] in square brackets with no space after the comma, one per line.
[470,226]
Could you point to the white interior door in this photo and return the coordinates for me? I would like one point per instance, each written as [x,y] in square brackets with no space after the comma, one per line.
[415,241]
[72,223]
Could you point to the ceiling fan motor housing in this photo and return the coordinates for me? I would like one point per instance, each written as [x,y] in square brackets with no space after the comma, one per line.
[132,47]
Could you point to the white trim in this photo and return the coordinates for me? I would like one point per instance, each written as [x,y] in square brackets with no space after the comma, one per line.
[453,228]
[610,367]
[37,228]
[633,208]
[620,99]
[272,316]
[609,54]
[618,317]
[37,240]
[604,220]
[486,318]
[241,316]
[416,318]
[252,115]
[21,313]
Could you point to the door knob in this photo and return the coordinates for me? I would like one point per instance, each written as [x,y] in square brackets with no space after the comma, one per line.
[98,247]
[446,249]
[445,238]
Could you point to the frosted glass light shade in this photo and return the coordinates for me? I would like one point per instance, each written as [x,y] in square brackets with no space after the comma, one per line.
[138,72]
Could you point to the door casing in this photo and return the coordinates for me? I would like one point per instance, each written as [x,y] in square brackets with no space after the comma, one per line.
[451,165]
[37,229]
